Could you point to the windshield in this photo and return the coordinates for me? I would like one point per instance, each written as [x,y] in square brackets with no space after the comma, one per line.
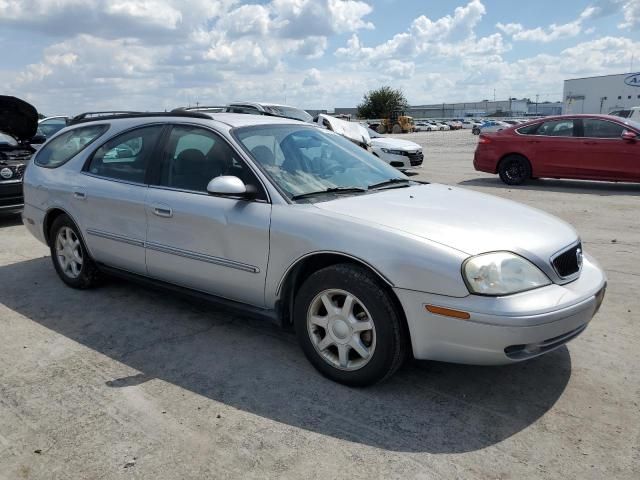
[373,133]
[288,112]
[301,160]
[621,113]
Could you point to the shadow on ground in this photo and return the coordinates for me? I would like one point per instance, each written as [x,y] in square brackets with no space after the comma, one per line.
[256,367]
[563,186]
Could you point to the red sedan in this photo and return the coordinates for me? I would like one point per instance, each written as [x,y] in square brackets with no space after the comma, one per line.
[586,147]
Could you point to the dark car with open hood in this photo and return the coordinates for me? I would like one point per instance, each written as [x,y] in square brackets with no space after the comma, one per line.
[18,126]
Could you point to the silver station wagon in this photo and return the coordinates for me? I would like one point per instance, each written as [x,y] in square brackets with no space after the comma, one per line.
[300,225]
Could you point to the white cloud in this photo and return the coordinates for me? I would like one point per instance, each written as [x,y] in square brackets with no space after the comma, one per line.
[631,12]
[553,32]
[155,54]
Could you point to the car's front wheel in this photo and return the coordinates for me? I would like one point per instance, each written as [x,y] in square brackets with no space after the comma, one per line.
[69,254]
[514,170]
[348,326]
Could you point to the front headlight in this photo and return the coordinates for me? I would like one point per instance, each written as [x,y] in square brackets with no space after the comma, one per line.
[393,152]
[501,273]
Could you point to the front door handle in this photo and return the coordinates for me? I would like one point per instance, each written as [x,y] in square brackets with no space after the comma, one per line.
[79,195]
[162,211]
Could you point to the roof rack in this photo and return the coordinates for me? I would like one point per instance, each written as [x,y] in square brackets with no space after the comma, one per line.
[111,115]
[199,108]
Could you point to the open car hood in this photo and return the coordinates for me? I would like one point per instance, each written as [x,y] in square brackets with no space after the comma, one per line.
[18,118]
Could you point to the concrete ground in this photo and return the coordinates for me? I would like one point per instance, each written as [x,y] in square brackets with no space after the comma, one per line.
[128,382]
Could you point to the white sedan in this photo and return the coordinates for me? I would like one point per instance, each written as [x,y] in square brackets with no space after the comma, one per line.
[402,154]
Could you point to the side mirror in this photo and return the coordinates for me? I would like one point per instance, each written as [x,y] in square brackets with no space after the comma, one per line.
[629,136]
[228,185]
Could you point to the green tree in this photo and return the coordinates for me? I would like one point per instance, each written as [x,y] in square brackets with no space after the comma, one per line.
[381,102]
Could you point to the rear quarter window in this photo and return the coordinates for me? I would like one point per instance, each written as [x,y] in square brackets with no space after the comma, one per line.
[67,145]
[529,129]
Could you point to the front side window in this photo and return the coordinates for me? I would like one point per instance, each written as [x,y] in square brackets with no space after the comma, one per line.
[556,128]
[126,156]
[194,156]
[595,128]
[302,160]
[67,145]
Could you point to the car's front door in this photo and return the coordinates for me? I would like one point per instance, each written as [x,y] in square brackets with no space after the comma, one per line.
[556,149]
[112,198]
[215,244]
[607,155]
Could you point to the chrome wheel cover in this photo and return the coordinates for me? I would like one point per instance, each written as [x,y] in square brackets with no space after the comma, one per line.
[341,329]
[69,252]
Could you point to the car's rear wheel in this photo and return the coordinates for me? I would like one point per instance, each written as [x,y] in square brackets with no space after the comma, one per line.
[514,170]
[69,254]
[348,326]
[397,128]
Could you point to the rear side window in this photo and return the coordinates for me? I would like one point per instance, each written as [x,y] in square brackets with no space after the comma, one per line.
[67,145]
[529,129]
[126,156]
[556,128]
[601,128]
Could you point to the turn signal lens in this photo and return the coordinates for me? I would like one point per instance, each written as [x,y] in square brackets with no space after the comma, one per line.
[447,312]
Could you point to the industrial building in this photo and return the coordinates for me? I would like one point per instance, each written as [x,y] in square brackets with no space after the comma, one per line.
[496,108]
[602,94]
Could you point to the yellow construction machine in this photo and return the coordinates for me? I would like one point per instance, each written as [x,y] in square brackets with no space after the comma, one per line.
[397,122]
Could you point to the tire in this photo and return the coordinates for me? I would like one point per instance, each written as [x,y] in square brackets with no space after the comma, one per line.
[514,170]
[381,129]
[67,250]
[372,324]
[396,129]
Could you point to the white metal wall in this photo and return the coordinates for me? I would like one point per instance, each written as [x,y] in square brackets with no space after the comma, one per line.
[601,94]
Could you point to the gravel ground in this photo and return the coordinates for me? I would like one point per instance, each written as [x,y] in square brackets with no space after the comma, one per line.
[124,381]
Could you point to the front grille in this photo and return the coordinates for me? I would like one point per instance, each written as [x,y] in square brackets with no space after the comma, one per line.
[569,262]
[17,171]
[416,158]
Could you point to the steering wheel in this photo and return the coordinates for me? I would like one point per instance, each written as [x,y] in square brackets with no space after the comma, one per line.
[332,169]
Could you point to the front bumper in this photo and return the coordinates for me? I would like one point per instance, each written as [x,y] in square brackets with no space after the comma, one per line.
[403,162]
[11,196]
[503,330]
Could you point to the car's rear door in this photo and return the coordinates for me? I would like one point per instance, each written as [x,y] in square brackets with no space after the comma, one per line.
[111,199]
[556,150]
[607,155]
[215,244]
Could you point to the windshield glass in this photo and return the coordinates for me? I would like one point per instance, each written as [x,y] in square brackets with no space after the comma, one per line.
[373,133]
[302,160]
[288,112]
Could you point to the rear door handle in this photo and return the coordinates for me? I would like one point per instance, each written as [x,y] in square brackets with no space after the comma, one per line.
[162,211]
[80,195]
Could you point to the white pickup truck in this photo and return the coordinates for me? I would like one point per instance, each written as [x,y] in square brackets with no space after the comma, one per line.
[632,113]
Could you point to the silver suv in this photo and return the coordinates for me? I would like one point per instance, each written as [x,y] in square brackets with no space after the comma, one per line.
[299,224]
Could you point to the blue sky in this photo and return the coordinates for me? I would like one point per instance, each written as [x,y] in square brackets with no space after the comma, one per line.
[67,56]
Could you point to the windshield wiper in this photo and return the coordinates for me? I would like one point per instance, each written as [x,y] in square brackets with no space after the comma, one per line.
[329,190]
[391,181]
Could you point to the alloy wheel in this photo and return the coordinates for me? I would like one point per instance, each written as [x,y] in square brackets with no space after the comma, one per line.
[69,252]
[341,329]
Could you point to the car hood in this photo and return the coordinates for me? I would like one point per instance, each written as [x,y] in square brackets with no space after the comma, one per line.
[18,118]
[465,220]
[395,143]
